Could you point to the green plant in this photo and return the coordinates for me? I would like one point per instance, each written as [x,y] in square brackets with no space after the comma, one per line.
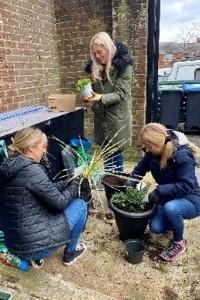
[81,83]
[92,169]
[132,200]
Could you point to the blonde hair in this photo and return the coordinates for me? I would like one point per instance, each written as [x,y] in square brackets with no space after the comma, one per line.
[26,138]
[104,40]
[195,150]
[156,134]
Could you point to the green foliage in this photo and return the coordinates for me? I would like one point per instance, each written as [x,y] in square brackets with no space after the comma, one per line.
[81,83]
[132,200]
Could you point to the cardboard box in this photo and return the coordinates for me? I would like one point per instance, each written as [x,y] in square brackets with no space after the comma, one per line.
[62,102]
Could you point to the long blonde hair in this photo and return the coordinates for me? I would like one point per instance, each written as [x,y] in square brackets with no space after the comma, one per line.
[156,134]
[24,139]
[104,40]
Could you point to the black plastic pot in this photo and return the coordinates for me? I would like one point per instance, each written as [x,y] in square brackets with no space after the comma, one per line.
[5,295]
[134,251]
[116,187]
[131,225]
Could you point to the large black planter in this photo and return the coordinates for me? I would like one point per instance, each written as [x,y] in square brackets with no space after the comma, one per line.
[131,225]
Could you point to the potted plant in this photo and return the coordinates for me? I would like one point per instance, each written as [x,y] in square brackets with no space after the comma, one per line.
[84,87]
[131,209]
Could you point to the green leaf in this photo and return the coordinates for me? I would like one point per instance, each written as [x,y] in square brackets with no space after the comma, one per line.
[81,83]
[132,200]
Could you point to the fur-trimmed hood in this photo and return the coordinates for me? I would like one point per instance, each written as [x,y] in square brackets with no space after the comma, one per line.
[121,59]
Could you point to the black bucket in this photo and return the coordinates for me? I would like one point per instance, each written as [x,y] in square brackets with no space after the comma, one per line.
[134,251]
[5,295]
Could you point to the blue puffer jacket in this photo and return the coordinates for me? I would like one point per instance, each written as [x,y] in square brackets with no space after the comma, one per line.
[31,207]
[177,180]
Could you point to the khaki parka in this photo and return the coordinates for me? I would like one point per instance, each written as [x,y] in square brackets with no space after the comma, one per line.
[113,113]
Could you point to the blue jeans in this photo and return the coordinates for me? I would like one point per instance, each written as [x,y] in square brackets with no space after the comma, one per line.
[115,162]
[170,216]
[76,214]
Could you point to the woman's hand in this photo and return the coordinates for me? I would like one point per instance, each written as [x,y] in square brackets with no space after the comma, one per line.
[153,197]
[94,97]
[86,193]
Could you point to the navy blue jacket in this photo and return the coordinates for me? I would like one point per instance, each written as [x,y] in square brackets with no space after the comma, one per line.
[177,179]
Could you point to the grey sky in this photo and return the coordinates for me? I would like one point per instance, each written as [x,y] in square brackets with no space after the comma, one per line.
[177,14]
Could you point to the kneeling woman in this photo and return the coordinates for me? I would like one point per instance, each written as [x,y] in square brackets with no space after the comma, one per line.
[170,157]
[38,215]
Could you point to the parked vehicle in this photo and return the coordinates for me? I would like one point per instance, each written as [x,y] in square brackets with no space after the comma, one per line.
[163,74]
[185,70]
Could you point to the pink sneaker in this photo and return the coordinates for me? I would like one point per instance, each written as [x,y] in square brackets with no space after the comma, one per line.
[173,251]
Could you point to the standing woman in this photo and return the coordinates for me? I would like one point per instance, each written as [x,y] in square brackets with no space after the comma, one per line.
[170,158]
[38,215]
[111,72]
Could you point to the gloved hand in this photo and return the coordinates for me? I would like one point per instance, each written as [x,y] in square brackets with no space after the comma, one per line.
[71,189]
[68,182]
[86,194]
[133,180]
[74,184]
[131,183]
[153,197]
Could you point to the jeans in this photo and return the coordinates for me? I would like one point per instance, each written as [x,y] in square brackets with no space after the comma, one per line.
[170,216]
[76,214]
[115,162]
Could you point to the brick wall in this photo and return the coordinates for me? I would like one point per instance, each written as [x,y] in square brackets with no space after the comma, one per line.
[44,46]
[29,68]
[126,21]
[130,26]
[163,63]
[76,24]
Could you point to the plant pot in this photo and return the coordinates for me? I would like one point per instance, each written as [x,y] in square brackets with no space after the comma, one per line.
[134,251]
[86,91]
[114,184]
[131,225]
[5,295]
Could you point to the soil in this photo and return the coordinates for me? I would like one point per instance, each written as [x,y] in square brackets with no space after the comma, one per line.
[114,181]
[105,269]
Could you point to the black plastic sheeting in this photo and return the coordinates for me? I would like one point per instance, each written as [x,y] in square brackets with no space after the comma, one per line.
[152,57]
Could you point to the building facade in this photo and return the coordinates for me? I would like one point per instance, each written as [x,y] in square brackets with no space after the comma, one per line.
[44,46]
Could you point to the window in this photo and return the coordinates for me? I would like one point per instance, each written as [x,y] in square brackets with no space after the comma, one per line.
[197,74]
[168,57]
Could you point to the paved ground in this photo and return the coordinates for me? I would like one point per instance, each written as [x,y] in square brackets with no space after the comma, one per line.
[53,285]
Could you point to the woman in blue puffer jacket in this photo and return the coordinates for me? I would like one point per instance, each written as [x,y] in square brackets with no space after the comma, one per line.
[170,158]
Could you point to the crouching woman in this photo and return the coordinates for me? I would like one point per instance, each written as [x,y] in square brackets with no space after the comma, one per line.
[170,158]
[38,216]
